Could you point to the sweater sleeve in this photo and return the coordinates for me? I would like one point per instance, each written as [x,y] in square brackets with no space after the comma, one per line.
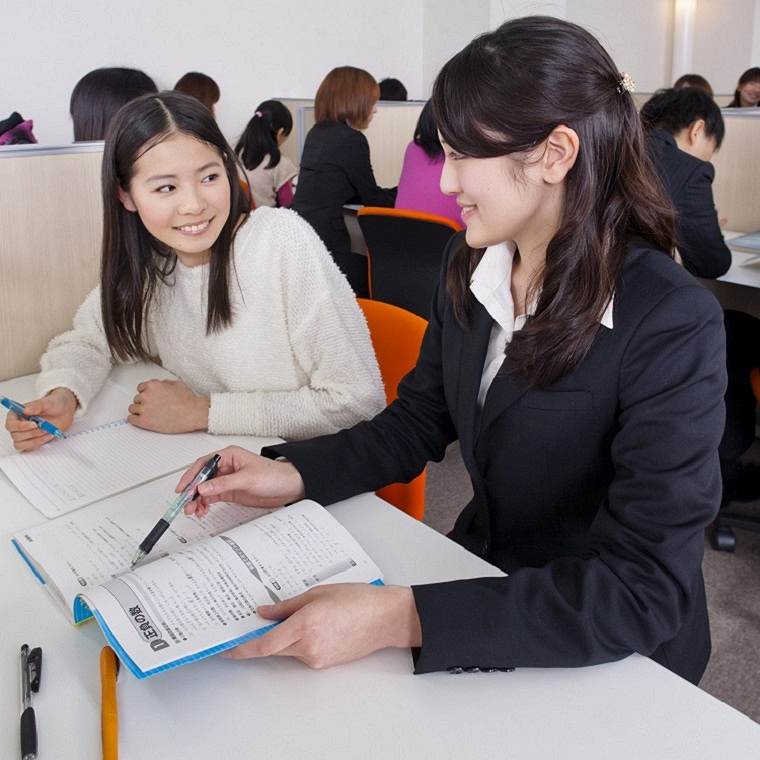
[79,359]
[330,344]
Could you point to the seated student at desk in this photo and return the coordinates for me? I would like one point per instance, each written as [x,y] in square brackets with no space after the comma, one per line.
[684,128]
[419,186]
[747,93]
[335,166]
[581,369]
[247,309]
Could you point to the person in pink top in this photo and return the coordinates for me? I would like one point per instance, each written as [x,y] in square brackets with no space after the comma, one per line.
[419,185]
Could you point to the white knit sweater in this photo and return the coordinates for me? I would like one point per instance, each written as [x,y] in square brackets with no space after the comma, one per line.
[296,361]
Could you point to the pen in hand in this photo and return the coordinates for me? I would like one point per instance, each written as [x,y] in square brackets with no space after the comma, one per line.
[42,424]
[31,670]
[188,494]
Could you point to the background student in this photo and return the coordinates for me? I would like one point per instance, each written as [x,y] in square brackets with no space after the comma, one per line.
[580,367]
[248,310]
[98,95]
[747,93]
[419,186]
[270,175]
[335,165]
[684,129]
[392,89]
[694,80]
[199,86]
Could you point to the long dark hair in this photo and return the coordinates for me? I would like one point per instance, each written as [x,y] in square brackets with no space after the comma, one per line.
[675,110]
[504,94]
[260,136]
[97,96]
[750,75]
[133,261]
[426,134]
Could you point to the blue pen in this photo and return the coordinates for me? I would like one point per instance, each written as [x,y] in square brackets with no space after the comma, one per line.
[42,424]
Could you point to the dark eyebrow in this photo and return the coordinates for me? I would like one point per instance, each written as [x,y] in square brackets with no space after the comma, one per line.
[209,165]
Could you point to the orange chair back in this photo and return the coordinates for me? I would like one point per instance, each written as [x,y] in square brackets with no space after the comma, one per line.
[397,337]
[754,377]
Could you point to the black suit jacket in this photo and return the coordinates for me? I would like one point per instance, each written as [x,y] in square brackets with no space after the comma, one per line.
[335,170]
[689,184]
[593,493]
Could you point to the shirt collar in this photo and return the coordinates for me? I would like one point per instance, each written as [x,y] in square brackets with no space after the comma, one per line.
[490,284]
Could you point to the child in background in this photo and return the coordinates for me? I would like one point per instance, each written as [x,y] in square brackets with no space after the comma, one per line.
[246,309]
[270,174]
[419,187]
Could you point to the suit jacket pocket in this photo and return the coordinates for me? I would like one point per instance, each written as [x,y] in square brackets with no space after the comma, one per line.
[565,401]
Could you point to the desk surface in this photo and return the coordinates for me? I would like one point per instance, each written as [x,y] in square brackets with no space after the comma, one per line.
[374,708]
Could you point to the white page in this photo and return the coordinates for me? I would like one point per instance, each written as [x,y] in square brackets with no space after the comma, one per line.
[90,546]
[98,461]
[199,600]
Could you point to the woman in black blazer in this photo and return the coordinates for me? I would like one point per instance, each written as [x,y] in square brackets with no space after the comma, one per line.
[684,128]
[581,369]
[335,165]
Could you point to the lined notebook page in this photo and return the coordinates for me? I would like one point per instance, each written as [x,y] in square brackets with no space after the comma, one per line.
[96,462]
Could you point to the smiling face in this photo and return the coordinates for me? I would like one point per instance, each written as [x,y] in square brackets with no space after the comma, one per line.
[179,189]
[749,94]
[501,198]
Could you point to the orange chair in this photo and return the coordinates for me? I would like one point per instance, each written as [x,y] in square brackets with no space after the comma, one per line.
[405,249]
[396,337]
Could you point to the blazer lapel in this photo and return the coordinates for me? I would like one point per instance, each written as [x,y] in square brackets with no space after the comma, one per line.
[474,348]
[506,390]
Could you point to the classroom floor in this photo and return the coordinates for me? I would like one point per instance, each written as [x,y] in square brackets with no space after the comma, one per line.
[732,581]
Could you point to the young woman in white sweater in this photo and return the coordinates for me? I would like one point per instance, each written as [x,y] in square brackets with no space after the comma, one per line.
[248,310]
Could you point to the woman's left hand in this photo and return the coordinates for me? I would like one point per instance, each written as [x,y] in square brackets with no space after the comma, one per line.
[333,624]
[168,406]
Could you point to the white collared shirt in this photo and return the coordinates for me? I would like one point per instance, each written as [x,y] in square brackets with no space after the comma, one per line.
[491,284]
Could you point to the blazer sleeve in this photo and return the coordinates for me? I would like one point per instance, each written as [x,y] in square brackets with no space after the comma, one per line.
[632,589]
[700,240]
[392,447]
[359,171]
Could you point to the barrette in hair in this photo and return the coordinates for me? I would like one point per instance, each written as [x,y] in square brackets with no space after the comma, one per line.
[625,83]
[259,114]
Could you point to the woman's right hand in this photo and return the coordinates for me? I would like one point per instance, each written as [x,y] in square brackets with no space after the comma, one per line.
[57,407]
[244,478]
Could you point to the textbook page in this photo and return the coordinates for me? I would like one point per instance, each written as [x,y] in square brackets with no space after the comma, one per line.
[89,547]
[102,455]
[202,599]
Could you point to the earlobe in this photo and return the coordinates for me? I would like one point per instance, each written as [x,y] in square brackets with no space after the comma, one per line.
[695,130]
[126,200]
[560,154]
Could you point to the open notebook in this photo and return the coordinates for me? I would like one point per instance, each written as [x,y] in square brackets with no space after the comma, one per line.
[102,455]
[197,592]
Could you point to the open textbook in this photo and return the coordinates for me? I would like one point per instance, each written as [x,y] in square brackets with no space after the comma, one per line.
[197,592]
[102,455]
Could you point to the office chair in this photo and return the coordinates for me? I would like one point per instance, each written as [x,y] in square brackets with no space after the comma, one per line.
[722,536]
[396,337]
[405,250]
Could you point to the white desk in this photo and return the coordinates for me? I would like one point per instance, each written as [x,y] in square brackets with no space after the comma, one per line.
[738,287]
[374,708]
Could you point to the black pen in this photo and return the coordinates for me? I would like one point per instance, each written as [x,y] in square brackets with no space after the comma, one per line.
[31,669]
[206,473]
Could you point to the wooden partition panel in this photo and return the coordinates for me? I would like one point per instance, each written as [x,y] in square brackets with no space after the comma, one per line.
[737,186]
[50,229]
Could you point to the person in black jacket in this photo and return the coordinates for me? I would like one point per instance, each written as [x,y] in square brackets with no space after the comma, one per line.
[335,166]
[684,129]
[581,369]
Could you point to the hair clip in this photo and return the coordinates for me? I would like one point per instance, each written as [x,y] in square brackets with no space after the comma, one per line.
[625,83]
[259,114]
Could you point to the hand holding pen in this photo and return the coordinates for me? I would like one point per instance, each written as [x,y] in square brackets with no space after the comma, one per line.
[41,421]
[185,497]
